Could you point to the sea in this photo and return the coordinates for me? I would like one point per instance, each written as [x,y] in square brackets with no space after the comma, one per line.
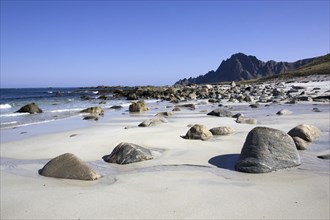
[56,103]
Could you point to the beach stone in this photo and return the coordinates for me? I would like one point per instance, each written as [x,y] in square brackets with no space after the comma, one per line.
[91,117]
[238,115]
[255,105]
[152,122]
[176,109]
[220,112]
[324,157]
[316,110]
[243,120]
[116,107]
[267,149]
[138,106]
[189,106]
[68,166]
[301,144]
[284,112]
[222,130]
[198,131]
[125,153]
[31,108]
[307,132]
[94,110]
[164,114]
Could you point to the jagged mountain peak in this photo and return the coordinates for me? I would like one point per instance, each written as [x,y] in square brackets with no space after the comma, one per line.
[243,67]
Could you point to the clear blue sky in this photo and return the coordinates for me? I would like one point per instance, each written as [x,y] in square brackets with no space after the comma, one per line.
[90,43]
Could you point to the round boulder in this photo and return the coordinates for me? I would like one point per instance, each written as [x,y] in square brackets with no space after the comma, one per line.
[31,108]
[125,153]
[138,106]
[222,130]
[267,149]
[307,132]
[198,132]
[68,166]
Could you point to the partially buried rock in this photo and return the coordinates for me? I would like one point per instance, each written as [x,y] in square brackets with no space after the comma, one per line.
[116,107]
[307,132]
[301,144]
[324,157]
[68,166]
[138,106]
[31,108]
[152,122]
[189,106]
[126,153]
[165,114]
[220,113]
[267,149]
[222,130]
[244,120]
[284,112]
[198,132]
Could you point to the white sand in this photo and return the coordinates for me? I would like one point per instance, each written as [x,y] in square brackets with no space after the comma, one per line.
[186,179]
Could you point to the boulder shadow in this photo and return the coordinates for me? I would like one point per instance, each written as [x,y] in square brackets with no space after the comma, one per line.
[226,161]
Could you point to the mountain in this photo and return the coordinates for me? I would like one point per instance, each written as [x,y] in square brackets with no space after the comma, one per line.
[243,67]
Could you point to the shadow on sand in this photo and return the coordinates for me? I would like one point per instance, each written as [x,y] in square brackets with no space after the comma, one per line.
[226,161]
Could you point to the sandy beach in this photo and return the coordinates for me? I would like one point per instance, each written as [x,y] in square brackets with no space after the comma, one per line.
[187,179]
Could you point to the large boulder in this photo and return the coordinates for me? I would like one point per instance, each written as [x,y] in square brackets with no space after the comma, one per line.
[138,106]
[68,166]
[306,132]
[267,149]
[31,108]
[152,122]
[94,111]
[222,130]
[198,131]
[220,112]
[126,153]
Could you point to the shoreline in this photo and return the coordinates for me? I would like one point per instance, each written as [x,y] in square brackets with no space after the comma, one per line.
[187,179]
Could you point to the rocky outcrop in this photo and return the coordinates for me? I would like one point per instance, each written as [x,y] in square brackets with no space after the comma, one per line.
[31,108]
[242,67]
[126,153]
[198,131]
[139,106]
[222,130]
[267,149]
[68,166]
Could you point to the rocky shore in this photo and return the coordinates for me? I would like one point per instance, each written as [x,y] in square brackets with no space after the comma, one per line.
[206,150]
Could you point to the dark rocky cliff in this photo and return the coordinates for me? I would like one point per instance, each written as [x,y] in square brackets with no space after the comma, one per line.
[243,67]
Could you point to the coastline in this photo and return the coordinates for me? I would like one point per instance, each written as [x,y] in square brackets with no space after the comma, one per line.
[186,179]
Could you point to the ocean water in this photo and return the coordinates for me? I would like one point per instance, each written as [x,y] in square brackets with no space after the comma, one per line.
[56,103]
